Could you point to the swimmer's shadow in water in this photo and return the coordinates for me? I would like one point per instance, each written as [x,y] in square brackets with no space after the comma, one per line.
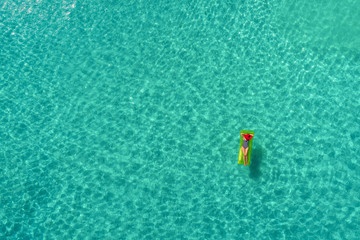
[256,159]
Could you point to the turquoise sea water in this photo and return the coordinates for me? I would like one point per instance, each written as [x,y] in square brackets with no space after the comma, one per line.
[121,119]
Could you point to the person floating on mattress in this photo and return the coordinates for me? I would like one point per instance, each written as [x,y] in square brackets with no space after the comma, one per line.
[245,146]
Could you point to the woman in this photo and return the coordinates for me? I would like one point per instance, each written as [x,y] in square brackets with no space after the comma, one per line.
[245,146]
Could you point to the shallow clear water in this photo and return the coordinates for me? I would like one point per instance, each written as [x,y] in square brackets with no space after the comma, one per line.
[121,119]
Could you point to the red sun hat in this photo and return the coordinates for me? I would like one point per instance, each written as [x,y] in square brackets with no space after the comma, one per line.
[248,136]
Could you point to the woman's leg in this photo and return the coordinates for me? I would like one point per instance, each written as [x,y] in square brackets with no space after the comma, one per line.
[246,152]
[243,151]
